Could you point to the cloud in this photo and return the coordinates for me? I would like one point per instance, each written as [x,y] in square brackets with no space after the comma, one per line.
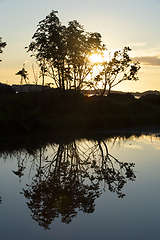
[148,60]
[140,44]
[149,52]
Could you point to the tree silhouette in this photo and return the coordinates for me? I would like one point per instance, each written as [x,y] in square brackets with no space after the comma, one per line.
[64,51]
[117,69]
[71,179]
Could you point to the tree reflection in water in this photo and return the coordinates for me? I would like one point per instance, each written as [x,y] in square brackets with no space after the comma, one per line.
[71,178]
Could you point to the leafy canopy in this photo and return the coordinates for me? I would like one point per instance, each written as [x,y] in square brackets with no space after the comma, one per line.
[62,51]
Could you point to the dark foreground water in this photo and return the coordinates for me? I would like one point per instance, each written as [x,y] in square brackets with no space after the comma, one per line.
[85,189]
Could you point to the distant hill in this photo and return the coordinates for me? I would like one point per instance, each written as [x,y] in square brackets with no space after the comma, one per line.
[33,87]
[138,94]
[135,94]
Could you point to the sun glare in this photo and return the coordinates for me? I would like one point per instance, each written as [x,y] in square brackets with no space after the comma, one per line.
[98,58]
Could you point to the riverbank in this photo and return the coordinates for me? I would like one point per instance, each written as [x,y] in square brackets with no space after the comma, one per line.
[48,113]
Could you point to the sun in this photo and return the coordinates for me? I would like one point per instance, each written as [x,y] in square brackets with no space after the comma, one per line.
[96,58]
[99,58]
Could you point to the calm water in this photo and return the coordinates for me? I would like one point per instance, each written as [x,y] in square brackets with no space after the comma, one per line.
[85,189]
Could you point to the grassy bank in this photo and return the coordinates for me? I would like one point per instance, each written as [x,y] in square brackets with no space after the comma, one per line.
[50,112]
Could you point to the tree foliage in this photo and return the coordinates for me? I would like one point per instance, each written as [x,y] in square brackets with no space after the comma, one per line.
[62,51]
[114,71]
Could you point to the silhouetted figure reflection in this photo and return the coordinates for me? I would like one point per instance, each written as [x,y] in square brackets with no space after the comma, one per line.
[19,172]
[21,162]
[72,179]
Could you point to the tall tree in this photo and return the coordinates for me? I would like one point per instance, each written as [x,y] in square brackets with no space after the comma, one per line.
[2,45]
[63,51]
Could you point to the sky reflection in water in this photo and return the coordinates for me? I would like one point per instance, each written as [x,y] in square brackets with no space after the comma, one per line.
[83,189]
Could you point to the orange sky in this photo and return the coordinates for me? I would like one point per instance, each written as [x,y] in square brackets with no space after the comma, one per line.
[121,23]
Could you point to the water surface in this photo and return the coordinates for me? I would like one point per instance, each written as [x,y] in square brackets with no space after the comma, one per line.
[83,189]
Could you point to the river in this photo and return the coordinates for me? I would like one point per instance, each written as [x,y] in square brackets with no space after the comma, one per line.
[97,188]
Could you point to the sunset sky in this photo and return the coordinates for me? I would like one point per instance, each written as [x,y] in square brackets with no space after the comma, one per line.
[121,23]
